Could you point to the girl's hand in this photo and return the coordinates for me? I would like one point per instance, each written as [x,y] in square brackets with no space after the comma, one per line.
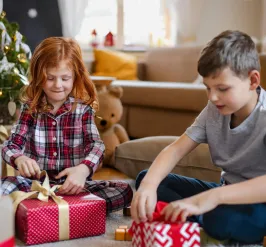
[195,205]
[27,167]
[143,203]
[76,178]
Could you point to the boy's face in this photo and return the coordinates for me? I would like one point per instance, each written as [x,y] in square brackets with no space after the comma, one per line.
[59,83]
[228,92]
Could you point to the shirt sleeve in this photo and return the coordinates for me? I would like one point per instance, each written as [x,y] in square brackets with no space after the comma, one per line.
[13,147]
[197,131]
[94,146]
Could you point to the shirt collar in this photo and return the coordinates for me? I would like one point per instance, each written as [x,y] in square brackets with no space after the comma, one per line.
[66,107]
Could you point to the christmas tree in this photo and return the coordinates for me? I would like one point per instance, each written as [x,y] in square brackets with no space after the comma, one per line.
[14,65]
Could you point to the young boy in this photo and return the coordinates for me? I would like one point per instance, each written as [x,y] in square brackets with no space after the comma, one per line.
[234,125]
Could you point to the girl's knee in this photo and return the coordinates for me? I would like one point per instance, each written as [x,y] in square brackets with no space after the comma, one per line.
[139,178]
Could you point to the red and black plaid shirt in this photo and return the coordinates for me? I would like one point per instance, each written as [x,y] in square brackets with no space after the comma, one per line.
[56,142]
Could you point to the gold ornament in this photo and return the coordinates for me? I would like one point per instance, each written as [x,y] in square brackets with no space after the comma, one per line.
[1,92]
[6,48]
[3,14]
[22,58]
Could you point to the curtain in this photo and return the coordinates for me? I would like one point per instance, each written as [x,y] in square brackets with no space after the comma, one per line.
[187,15]
[72,14]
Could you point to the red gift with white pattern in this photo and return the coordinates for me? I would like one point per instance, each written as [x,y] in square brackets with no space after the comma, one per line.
[159,233]
[37,221]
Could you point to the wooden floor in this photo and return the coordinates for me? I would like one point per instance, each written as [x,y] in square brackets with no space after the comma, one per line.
[108,173]
[105,173]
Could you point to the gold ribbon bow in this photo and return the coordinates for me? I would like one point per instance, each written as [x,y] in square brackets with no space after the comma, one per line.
[43,192]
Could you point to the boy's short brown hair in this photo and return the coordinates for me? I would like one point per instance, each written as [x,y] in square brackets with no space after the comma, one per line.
[233,49]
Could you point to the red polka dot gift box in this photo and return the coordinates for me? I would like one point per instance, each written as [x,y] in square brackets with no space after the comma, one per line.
[49,217]
[165,234]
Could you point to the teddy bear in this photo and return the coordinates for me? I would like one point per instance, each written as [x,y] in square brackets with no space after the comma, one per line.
[107,117]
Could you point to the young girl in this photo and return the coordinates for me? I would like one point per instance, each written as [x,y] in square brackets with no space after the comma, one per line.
[56,130]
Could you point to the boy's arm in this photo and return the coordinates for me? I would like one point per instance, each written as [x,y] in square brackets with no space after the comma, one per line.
[94,147]
[247,192]
[250,191]
[13,147]
[167,159]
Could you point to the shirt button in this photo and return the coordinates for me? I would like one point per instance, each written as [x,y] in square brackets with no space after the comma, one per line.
[54,123]
[55,153]
[54,138]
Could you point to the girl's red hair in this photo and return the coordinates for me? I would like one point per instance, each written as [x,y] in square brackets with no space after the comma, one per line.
[48,54]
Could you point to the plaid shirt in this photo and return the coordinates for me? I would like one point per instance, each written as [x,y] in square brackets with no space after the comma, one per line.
[56,142]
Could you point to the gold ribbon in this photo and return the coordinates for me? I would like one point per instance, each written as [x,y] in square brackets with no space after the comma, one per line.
[43,192]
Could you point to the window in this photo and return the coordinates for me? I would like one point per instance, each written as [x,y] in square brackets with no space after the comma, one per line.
[133,22]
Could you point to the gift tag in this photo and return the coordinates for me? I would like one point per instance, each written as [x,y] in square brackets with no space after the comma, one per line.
[11,107]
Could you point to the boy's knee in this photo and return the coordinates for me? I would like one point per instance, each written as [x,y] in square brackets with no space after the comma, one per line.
[227,222]
[215,225]
[139,178]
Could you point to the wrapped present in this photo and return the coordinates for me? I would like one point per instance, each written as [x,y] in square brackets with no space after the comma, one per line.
[52,218]
[161,233]
[7,223]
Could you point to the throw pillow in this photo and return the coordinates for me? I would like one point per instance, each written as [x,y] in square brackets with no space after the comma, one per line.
[116,64]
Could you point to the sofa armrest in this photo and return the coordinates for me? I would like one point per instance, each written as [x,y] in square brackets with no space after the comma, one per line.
[167,95]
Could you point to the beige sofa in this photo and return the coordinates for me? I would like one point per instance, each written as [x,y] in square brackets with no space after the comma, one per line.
[168,97]
[157,104]
[161,109]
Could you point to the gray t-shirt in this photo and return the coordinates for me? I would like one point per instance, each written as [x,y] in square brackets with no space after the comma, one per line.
[241,151]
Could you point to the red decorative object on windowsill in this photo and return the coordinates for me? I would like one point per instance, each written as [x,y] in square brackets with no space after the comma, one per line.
[94,39]
[109,40]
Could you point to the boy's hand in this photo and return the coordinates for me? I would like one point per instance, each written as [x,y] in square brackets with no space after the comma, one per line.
[143,203]
[27,167]
[76,178]
[195,205]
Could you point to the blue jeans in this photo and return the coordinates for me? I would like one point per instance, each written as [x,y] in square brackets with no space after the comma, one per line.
[241,223]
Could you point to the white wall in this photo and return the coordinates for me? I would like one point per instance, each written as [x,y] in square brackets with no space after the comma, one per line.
[220,15]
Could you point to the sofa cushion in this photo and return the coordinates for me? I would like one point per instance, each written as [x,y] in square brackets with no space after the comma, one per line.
[172,64]
[116,64]
[134,156]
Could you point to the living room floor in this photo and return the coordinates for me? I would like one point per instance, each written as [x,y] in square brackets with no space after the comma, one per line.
[113,221]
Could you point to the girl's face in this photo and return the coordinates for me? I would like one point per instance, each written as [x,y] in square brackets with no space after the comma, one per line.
[59,83]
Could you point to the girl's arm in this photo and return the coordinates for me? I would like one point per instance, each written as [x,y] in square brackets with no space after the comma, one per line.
[12,148]
[94,146]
